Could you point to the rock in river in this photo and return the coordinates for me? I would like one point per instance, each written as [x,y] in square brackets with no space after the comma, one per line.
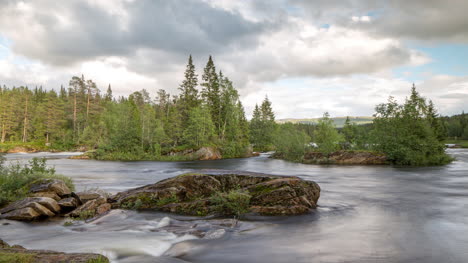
[224,193]
[30,208]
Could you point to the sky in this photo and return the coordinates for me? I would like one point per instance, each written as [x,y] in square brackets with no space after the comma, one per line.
[308,56]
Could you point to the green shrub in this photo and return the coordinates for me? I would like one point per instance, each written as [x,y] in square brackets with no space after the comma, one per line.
[99,259]
[15,178]
[236,202]
[16,257]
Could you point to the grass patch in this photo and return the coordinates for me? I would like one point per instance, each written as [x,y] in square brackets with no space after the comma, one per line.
[99,259]
[85,215]
[167,200]
[15,179]
[16,257]
[235,202]
[461,143]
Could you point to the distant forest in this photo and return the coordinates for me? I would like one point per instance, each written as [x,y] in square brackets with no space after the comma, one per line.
[209,114]
[205,114]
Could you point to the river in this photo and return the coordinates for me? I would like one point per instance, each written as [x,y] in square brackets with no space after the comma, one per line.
[365,214]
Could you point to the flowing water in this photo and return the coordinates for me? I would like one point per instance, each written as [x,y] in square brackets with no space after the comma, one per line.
[365,214]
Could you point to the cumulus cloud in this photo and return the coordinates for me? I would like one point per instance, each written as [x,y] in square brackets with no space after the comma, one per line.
[356,95]
[66,32]
[342,51]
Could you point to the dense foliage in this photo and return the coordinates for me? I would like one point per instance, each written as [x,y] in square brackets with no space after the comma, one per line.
[133,127]
[15,178]
[263,126]
[408,134]
[456,126]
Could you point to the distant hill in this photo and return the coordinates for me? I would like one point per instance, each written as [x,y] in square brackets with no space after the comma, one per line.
[339,121]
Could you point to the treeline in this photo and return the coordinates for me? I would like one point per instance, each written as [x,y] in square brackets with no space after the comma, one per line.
[457,126]
[411,133]
[134,127]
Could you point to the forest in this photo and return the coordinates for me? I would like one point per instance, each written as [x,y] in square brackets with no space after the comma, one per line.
[210,114]
[134,127]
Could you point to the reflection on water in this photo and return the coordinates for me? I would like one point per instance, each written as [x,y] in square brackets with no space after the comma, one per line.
[366,214]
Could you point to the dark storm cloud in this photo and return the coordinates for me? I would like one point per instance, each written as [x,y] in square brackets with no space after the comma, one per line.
[64,32]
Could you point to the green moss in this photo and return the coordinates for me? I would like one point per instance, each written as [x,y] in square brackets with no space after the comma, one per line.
[236,202]
[261,189]
[190,174]
[167,200]
[84,215]
[99,259]
[15,257]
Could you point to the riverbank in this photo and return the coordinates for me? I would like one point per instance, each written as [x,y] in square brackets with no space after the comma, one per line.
[33,147]
[176,154]
[19,254]
[456,143]
[341,157]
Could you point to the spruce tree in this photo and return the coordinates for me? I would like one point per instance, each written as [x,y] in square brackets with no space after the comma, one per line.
[188,88]
[211,93]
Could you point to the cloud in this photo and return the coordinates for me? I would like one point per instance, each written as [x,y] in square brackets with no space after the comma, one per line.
[66,32]
[308,56]
[355,95]
[424,20]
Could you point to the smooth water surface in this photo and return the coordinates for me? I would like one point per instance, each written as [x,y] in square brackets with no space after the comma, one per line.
[366,214]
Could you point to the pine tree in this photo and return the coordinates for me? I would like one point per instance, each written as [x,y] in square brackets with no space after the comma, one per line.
[188,88]
[108,97]
[200,128]
[326,135]
[211,93]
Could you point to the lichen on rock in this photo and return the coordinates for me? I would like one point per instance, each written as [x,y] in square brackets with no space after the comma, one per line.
[223,193]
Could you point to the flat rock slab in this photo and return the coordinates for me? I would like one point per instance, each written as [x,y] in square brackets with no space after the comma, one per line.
[30,208]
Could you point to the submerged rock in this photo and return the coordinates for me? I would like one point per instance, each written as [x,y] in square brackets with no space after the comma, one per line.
[19,254]
[224,194]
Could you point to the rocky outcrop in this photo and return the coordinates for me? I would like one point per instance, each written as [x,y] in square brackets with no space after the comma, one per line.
[19,254]
[53,198]
[346,157]
[30,208]
[224,194]
[208,153]
[50,187]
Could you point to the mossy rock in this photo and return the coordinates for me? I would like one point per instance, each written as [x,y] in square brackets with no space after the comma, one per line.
[223,193]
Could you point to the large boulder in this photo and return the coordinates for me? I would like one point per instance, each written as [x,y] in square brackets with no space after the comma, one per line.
[69,203]
[84,197]
[208,153]
[91,208]
[30,208]
[223,193]
[19,254]
[49,188]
